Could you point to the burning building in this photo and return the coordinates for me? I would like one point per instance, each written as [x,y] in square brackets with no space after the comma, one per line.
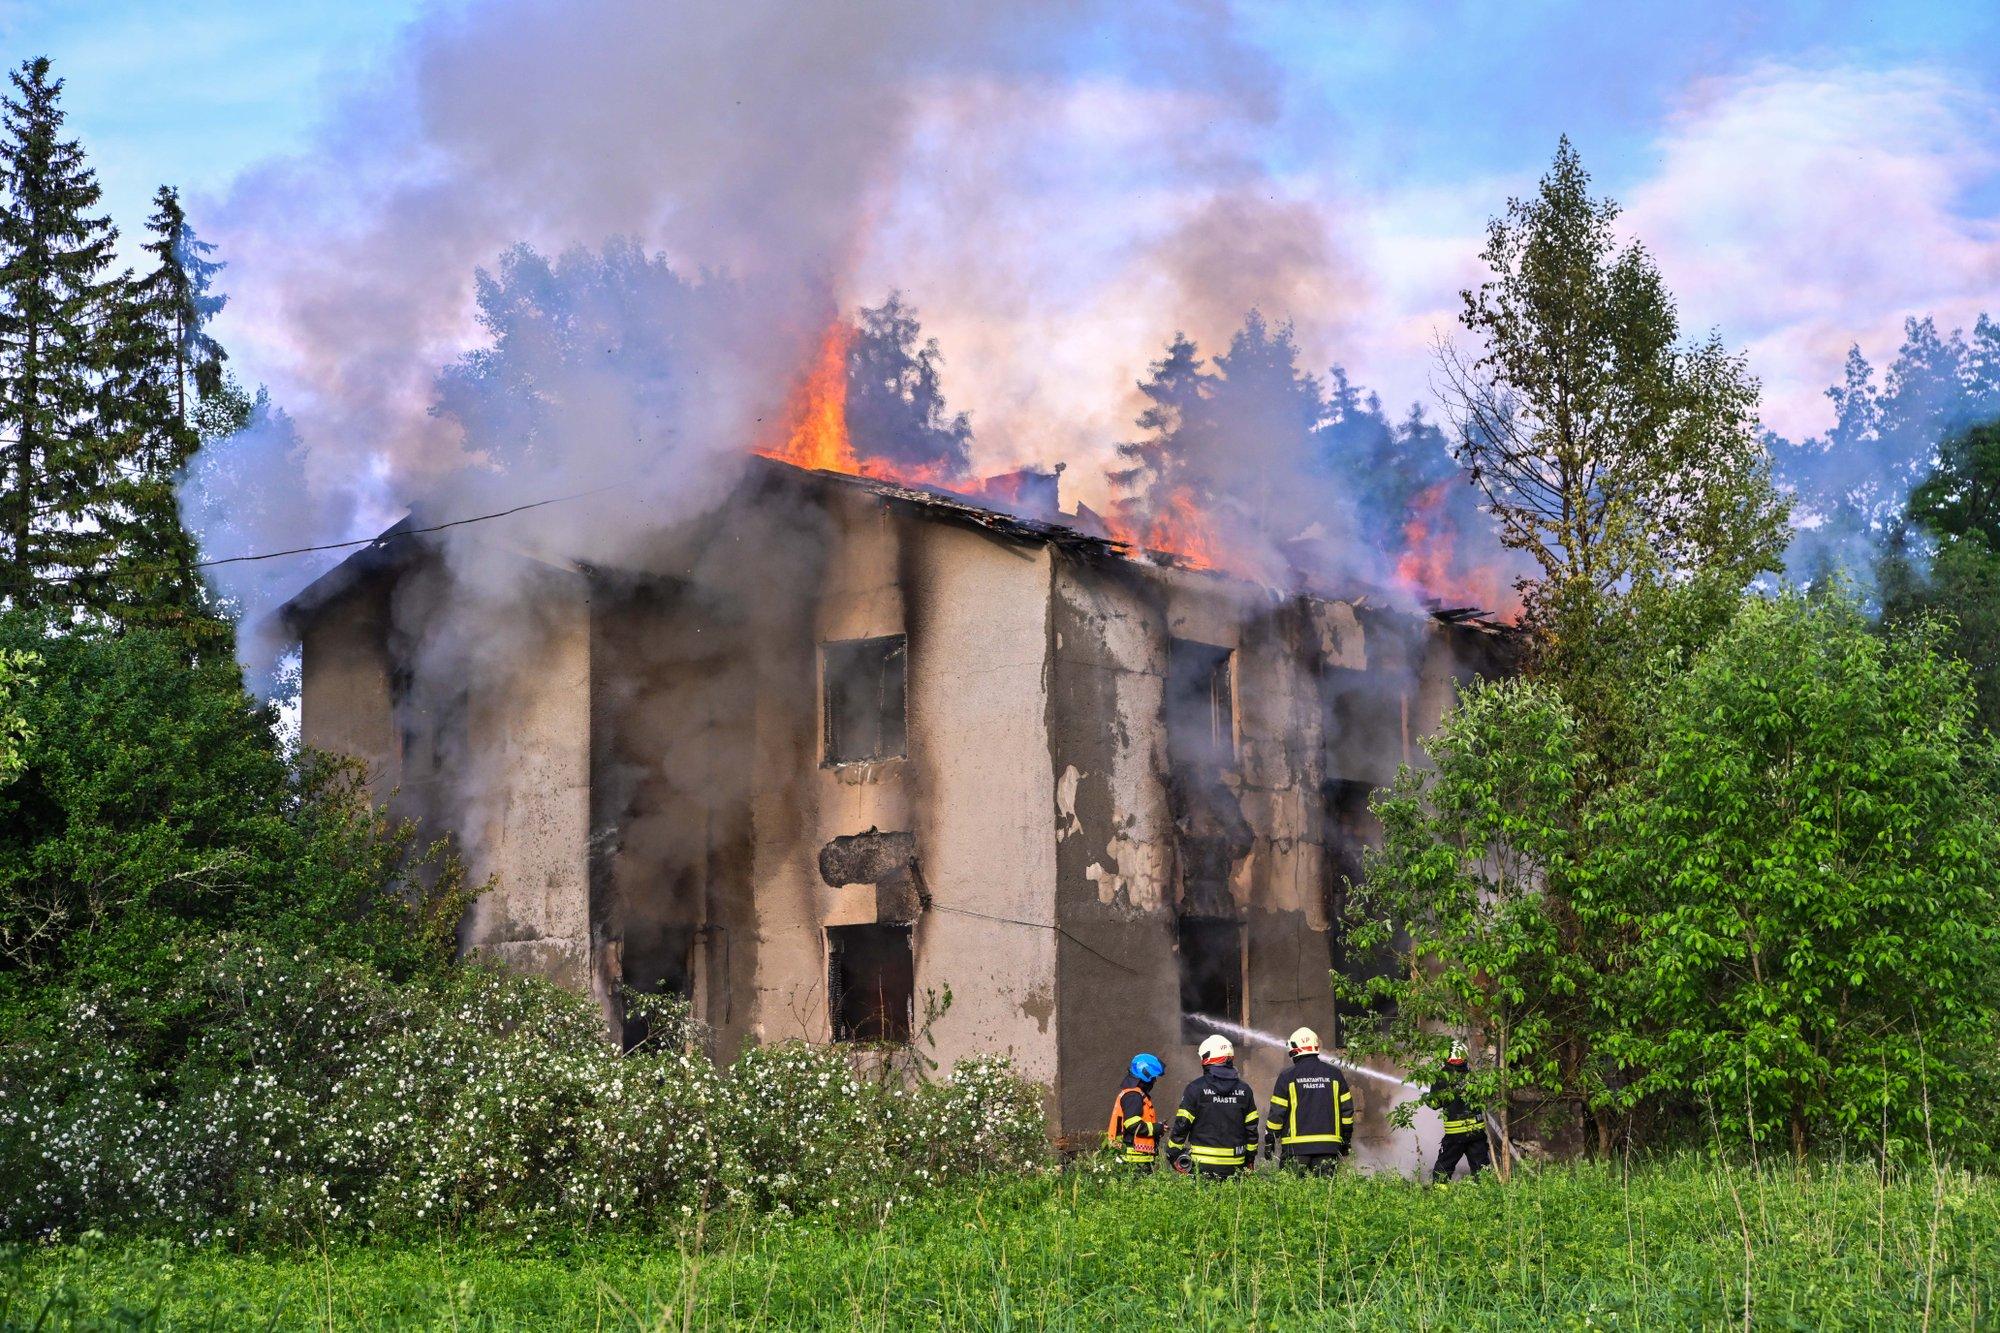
[840,748]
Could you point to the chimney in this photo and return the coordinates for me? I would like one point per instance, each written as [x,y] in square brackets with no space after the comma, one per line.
[1028,491]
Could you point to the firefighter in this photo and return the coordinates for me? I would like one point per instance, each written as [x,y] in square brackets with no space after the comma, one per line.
[1216,1126]
[1310,1125]
[1135,1129]
[1464,1124]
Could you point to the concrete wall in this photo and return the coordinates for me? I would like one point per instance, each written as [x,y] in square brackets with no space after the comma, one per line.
[344,704]
[798,803]
[978,616]
[525,793]
[1119,988]
[679,734]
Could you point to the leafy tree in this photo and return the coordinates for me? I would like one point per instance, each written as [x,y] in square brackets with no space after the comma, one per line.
[154,804]
[590,357]
[1469,891]
[1805,875]
[895,395]
[60,472]
[1609,449]
[16,670]
[1953,523]
[1386,463]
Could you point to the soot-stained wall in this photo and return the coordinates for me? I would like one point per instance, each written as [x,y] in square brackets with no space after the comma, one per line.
[646,772]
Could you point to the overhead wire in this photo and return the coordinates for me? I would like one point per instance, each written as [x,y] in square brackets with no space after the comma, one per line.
[1038,925]
[132,571]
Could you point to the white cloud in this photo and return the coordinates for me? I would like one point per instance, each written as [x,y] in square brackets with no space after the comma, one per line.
[1802,210]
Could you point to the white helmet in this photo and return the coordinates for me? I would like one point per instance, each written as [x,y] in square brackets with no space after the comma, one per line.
[1216,1048]
[1303,1042]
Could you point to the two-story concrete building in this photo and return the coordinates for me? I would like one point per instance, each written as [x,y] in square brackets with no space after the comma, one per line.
[838,748]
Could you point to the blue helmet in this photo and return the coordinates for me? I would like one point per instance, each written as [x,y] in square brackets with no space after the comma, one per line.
[1146,1067]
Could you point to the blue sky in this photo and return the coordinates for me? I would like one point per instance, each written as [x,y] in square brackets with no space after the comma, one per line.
[1432,93]
[1809,174]
[193,92]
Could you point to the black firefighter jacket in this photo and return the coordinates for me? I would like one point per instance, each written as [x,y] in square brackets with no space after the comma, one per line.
[1217,1121]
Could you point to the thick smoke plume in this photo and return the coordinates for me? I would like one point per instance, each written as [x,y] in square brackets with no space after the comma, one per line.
[701,188]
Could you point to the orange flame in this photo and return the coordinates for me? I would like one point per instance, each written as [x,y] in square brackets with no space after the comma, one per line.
[1430,563]
[814,426]
[813,434]
[816,420]
[1178,528]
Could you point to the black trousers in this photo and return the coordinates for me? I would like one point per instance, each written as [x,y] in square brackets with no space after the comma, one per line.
[1203,1171]
[1472,1148]
[1319,1164]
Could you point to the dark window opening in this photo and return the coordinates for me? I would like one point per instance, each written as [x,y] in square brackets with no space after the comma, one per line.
[864,690]
[429,728]
[1350,826]
[657,961]
[1211,954]
[871,981]
[1201,707]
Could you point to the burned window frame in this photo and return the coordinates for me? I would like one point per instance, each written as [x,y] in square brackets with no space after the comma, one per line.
[895,1028]
[429,733]
[842,665]
[1216,744]
[1236,989]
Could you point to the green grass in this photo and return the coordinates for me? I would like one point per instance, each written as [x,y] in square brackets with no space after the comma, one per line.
[1576,1247]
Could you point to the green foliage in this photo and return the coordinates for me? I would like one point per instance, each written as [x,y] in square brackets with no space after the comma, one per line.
[154,803]
[57,506]
[1469,888]
[1780,914]
[1681,1244]
[1854,482]
[1954,521]
[1610,450]
[1804,875]
[96,423]
[303,1094]
[158,361]
[16,670]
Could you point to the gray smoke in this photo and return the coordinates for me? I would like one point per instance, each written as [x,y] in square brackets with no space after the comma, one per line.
[769,142]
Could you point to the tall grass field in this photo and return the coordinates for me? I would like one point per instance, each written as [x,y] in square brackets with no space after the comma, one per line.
[1678,1244]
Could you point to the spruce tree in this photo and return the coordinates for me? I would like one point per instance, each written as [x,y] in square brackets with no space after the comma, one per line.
[179,294]
[58,473]
[1175,388]
[160,365]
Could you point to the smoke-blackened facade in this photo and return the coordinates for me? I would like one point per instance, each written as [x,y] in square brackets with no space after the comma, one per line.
[839,750]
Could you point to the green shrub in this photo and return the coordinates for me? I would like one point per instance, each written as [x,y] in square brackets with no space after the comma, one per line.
[150,802]
[311,1094]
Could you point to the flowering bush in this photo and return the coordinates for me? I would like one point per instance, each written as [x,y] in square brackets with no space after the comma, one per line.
[309,1094]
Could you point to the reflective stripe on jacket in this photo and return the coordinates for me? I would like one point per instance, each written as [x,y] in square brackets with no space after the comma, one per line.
[1312,1108]
[1448,1095]
[1217,1120]
[1133,1127]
